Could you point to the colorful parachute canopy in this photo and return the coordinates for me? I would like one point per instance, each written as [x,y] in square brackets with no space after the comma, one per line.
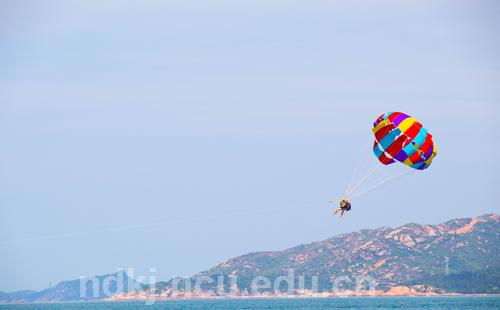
[400,137]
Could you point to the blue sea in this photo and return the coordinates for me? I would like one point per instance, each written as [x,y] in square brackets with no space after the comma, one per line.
[379,303]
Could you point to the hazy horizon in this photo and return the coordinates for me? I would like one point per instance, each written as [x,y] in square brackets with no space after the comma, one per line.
[175,135]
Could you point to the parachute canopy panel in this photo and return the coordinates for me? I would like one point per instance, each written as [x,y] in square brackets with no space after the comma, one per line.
[400,137]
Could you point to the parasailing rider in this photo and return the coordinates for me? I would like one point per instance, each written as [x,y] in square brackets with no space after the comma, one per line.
[345,206]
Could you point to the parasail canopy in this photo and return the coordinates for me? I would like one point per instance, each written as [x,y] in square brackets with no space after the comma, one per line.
[400,137]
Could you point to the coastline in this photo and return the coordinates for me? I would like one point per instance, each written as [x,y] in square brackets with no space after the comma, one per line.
[319,295]
[254,297]
[152,299]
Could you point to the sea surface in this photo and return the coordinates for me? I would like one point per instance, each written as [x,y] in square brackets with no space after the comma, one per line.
[379,303]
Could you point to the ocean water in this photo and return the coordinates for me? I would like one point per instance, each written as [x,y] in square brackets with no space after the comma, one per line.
[379,303]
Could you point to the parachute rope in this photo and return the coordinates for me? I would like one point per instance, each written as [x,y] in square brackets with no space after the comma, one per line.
[111,229]
[364,179]
[382,182]
[354,181]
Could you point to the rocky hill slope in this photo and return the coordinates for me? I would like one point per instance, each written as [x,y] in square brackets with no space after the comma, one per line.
[461,255]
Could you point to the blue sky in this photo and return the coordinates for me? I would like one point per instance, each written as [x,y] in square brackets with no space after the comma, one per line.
[232,123]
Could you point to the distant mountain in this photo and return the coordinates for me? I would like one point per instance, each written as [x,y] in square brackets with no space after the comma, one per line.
[461,255]
[95,289]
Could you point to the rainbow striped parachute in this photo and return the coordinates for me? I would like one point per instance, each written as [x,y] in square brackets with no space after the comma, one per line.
[400,137]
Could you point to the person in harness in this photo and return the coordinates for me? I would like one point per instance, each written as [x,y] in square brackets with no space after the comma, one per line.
[345,206]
